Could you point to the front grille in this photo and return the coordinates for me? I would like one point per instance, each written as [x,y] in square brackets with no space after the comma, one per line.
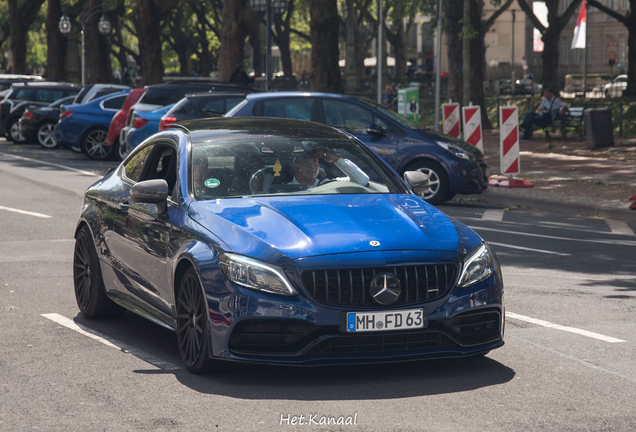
[382,343]
[350,287]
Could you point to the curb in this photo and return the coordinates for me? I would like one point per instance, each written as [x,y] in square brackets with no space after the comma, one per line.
[542,201]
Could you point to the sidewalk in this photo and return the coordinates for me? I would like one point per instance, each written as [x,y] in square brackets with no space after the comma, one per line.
[568,178]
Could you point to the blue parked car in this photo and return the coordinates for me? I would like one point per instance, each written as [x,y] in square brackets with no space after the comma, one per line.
[144,124]
[85,126]
[283,242]
[453,166]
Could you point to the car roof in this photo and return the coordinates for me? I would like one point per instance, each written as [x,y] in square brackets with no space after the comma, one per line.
[270,95]
[210,129]
[46,84]
[214,94]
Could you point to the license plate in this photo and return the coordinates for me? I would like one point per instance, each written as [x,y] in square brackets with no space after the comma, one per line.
[386,321]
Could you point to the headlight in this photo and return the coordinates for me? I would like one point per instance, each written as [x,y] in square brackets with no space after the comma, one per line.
[255,275]
[455,149]
[478,265]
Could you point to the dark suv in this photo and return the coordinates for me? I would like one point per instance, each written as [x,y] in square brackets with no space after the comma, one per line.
[27,95]
[201,105]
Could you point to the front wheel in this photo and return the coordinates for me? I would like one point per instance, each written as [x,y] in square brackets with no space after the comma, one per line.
[438,191]
[15,134]
[193,330]
[46,136]
[87,277]
[95,144]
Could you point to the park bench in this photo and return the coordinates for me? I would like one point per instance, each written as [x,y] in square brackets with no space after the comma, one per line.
[571,121]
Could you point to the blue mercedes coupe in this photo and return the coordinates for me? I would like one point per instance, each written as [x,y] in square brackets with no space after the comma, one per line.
[283,241]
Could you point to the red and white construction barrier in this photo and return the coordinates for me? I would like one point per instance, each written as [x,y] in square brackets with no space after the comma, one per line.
[472,126]
[451,119]
[633,205]
[509,150]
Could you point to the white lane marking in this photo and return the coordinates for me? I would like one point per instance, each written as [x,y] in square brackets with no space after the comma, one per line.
[609,242]
[583,362]
[86,173]
[24,212]
[113,343]
[529,249]
[564,328]
[619,227]
[493,215]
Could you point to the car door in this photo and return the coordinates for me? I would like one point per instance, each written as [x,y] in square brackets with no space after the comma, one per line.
[354,119]
[142,235]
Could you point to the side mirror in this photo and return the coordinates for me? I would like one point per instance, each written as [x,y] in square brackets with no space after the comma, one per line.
[417,181]
[375,130]
[151,192]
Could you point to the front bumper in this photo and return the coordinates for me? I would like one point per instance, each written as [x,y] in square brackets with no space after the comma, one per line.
[250,326]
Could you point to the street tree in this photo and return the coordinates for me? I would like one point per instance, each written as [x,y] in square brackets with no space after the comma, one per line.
[325,75]
[628,19]
[237,17]
[550,36]
[21,15]
[55,42]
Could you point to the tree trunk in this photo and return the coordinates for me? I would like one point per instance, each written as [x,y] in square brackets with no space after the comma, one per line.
[399,51]
[18,43]
[148,33]
[466,55]
[255,43]
[325,75]
[631,58]
[233,34]
[454,11]
[97,50]
[550,57]
[350,71]
[55,43]
[282,39]
[478,62]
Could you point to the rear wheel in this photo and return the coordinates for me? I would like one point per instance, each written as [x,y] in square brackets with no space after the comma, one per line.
[45,135]
[193,330]
[87,277]
[14,132]
[438,192]
[95,144]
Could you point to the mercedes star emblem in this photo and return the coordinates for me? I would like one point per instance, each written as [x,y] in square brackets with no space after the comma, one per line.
[385,288]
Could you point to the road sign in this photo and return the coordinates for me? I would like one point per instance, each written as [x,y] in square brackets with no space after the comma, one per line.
[611,55]
[612,42]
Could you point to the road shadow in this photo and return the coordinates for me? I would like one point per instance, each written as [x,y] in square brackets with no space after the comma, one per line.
[265,382]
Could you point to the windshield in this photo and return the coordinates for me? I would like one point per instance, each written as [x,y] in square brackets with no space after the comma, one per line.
[390,114]
[287,166]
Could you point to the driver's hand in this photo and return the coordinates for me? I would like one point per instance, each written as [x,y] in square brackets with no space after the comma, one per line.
[327,156]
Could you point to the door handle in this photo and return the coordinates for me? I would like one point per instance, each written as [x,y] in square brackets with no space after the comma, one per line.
[124,205]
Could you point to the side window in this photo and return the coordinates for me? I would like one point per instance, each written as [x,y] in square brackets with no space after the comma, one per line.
[48,95]
[161,164]
[347,116]
[114,103]
[23,94]
[132,169]
[213,108]
[291,108]
[232,102]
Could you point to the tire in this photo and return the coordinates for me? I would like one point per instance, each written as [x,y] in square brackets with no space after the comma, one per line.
[87,278]
[437,176]
[14,133]
[95,144]
[45,134]
[119,152]
[193,327]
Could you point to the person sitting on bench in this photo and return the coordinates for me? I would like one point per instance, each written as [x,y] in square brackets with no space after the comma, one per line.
[547,112]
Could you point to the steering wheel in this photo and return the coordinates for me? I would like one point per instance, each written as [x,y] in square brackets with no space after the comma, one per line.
[254,177]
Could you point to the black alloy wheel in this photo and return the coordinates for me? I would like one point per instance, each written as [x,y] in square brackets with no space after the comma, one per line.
[45,135]
[87,278]
[15,134]
[193,332]
[95,144]
[438,192]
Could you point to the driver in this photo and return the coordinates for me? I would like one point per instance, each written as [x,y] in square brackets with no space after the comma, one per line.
[306,168]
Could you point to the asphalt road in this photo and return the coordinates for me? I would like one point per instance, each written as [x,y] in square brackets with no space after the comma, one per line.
[568,363]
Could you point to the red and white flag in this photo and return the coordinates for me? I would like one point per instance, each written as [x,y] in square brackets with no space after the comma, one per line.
[578,40]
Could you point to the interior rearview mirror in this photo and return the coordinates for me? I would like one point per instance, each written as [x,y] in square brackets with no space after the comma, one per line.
[417,181]
[151,192]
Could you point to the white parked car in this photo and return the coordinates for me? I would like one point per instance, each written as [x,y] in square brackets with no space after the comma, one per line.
[616,87]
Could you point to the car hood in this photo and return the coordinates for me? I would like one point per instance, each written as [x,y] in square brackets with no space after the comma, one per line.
[276,229]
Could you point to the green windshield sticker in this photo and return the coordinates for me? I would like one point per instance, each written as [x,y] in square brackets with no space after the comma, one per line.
[212,183]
